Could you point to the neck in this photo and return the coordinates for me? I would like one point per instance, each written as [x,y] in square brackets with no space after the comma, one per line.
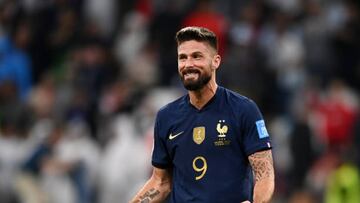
[199,98]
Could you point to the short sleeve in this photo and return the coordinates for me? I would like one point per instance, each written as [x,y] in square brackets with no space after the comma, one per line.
[160,155]
[255,136]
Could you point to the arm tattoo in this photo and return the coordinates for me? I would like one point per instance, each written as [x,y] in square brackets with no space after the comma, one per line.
[262,165]
[149,195]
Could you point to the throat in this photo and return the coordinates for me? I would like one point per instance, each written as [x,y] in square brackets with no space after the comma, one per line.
[201,97]
[198,103]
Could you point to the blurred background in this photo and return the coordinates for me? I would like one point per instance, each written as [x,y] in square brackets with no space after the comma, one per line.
[82,80]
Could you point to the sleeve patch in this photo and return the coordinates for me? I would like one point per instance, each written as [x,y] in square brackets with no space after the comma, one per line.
[262,132]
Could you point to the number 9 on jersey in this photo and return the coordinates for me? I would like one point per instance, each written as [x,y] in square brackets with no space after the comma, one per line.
[200,166]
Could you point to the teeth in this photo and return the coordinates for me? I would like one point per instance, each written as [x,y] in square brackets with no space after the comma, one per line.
[191,75]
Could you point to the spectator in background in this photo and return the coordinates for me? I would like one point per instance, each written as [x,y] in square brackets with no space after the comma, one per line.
[302,142]
[139,60]
[346,44]
[63,166]
[123,162]
[336,112]
[245,63]
[56,26]
[162,28]
[317,34]
[332,118]
[13,151]
[284,53]
[15,66]
[29,183]
[343,185]
[62,39]
[356,139]
[103,14]
[205,15]
[91,70]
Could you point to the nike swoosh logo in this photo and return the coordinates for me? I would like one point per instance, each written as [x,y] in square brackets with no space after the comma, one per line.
[171,136]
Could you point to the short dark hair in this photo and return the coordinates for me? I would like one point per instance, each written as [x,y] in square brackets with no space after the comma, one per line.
[199,34]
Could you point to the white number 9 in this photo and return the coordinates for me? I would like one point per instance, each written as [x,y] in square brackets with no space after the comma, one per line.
[202,169]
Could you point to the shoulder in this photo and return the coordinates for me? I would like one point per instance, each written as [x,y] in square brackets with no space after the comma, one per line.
[238,101]
[243,108]
[171,108]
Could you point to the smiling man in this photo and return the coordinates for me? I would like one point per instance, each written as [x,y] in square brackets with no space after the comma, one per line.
[211,145]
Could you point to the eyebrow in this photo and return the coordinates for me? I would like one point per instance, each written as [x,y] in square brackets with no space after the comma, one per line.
[197,52]
[192,53]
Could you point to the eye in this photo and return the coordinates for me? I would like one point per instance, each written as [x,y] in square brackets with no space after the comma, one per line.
[197,55]
[181,57]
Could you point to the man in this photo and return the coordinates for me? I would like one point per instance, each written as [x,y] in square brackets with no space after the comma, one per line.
[210,143]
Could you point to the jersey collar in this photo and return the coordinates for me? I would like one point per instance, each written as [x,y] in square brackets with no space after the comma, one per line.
[208,104]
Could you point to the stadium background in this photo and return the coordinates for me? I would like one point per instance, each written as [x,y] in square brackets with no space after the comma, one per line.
[81,81]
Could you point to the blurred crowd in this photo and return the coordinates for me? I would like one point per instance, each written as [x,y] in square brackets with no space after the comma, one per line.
[82,80]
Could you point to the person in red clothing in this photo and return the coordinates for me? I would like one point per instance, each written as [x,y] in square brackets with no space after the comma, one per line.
[337,113]
[205,16]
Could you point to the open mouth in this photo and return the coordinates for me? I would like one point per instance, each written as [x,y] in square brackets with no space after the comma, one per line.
[191,74]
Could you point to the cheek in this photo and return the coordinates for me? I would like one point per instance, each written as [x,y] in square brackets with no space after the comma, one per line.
[180,66]
[212,65]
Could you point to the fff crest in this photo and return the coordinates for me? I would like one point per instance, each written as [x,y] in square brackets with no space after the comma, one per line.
[221,128]
[199,134]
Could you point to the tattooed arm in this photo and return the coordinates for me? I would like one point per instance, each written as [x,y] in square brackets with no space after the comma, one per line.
[262,165]
[156,189]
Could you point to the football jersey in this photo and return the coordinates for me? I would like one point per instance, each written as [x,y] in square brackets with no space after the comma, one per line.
[207,149]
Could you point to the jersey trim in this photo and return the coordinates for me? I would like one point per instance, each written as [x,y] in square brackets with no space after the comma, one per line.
[162,166]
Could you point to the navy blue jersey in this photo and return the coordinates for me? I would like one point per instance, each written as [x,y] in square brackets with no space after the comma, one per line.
[208,149]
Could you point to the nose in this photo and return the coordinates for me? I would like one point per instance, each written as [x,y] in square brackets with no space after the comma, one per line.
[189,63]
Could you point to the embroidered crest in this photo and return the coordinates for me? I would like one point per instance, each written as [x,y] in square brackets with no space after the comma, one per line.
[221,128]
[199,134]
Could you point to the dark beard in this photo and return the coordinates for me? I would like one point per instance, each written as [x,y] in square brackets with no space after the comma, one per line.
[198,84]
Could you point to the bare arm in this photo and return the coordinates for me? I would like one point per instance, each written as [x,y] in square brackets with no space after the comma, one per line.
[262,165]
[156,189]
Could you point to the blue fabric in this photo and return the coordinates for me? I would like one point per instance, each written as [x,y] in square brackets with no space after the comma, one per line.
[221,136]
[33,163]
[79,177]
[15,66]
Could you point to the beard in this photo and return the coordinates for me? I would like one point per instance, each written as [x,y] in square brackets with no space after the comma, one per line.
[197,84]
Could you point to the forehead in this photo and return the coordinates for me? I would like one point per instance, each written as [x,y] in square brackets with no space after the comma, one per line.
[192,46]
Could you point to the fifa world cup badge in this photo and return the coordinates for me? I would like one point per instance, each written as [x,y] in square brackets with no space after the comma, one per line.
[199,134]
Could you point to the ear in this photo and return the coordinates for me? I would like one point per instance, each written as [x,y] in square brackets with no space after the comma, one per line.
[216,61]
